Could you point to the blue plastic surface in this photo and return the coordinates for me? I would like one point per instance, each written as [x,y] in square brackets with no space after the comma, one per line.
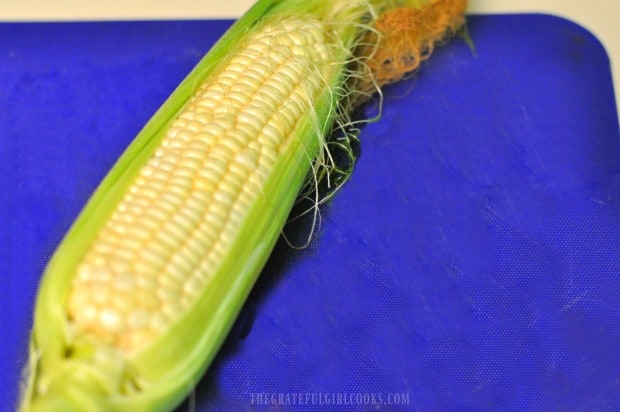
[470,264]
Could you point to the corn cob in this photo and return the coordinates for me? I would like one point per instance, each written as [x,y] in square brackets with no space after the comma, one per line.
[145,286]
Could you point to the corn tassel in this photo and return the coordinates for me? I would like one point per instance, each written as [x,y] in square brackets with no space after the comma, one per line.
[139,296]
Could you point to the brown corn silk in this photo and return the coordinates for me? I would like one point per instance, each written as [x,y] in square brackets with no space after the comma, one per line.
[403,37]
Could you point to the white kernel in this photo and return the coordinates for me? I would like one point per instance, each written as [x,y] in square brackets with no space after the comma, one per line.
[197,145]
[138,338]
[231,184]
[131,242]
[87,314]
[207,102]
[270,153]
[151,255]
[194,125]
[169,238]
[156,213]
[147,299]
[288,114]
[142,229]
[225,80]
[182,224]
[236,68]
[279,54]
[251,120]
[271,135]
[140,200]
[301,51]
[195,205]
[156,184]
[283,83]
[237,213]
[258,70]
[78,299]
[138,319]
[259,111]
[149,222]
[242,134]
[268,95]
[158,321]
[147,170]
[102,247]
[231,144]
[172,309]
[215,129]
[225,122]
[216,164]
[215,223]
[239,167]
[240,99]
[120,261]
[148,192]
[164,168]
[254,184]
[165,294]
[247,83]
[146,278]
[291,72]
[206,138]
[124,281]
[208,176]
[219,210]
[122,300]
[248,158]
[225,109]
[205,270]
[173,131]
[180,182]
[186,115]
[192,212]
[220,248]
[296,37]
[194,152]
[256,46]
[215,87]
[195,247]
[180,268]
[111,320]
[203,115]
[203,185]
[246,197]
[170,199]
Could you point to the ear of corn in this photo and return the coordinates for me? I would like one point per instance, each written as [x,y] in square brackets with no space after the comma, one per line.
[145,286]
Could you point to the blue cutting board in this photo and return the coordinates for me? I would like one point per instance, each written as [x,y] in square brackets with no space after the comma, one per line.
[470,264]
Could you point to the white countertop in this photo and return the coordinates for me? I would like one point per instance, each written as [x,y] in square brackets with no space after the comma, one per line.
[598,16]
